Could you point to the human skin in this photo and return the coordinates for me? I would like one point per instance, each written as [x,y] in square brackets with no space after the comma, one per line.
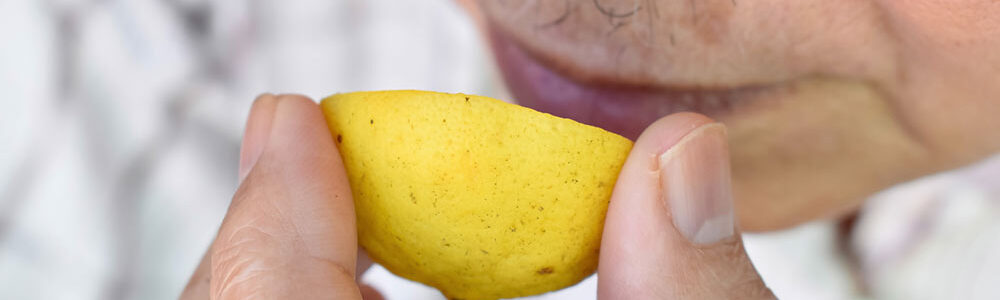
[290,230]
[826,102]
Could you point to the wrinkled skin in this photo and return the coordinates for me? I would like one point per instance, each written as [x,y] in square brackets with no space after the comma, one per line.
[827,102]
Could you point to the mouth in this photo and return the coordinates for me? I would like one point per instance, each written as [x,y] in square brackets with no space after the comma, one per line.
[621,108]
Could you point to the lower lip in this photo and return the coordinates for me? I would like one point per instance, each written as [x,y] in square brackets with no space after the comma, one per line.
[622,110]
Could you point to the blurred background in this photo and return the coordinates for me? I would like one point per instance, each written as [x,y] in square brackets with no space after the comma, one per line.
[121,122]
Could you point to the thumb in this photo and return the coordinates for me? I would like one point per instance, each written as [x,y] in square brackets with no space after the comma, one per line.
[669,232]
[289,232]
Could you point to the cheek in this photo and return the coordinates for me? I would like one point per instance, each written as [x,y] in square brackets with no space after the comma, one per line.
[944,20]
[941,31]
[959,38]
[949,76]
[830,144]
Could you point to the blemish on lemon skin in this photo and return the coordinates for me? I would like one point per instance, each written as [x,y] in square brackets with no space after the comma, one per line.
[545,271]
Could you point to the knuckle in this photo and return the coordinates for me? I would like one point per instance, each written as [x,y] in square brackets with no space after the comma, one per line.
[241,257]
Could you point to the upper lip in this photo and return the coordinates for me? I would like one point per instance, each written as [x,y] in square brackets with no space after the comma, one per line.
[587,73]
[622,107]
[687,93]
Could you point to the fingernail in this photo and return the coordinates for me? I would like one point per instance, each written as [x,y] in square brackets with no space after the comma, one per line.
[696,184]
[258,130]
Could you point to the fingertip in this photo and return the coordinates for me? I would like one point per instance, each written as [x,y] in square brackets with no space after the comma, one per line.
[303,128]
[678,170]
[293,215]
[255,135]
[696,184]
[302,160]
[262,116]
[298,99]
[631,247]
[667,131]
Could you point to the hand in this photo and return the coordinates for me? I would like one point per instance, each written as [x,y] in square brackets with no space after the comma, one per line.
[670,230]
[290,230]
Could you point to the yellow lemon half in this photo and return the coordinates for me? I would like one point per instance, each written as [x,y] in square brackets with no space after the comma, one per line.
[476,197]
